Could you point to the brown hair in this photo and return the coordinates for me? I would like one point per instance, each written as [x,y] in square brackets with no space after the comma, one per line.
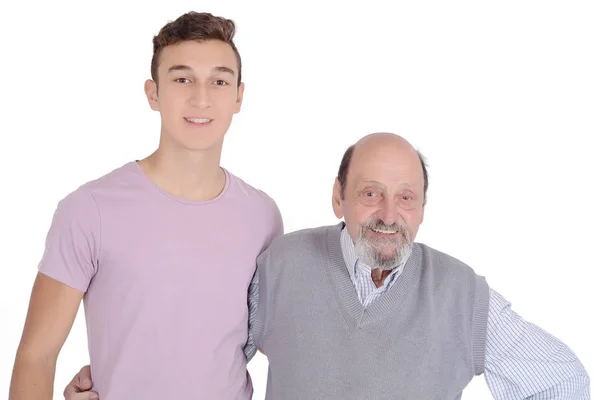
[197,27]
[342,176]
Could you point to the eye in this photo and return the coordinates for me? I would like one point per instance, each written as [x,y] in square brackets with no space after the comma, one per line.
[221,82]
[406,201]
[182,80]
[370,195]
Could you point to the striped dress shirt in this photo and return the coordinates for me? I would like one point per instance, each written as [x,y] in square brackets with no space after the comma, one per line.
[522,361]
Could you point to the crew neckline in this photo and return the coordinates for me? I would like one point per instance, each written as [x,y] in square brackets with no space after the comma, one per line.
[138,169]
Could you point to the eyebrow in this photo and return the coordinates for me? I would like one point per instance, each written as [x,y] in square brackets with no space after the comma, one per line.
[376,183]
[224,69]
[181,67]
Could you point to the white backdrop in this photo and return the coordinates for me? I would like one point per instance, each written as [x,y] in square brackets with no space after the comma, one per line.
[502,97]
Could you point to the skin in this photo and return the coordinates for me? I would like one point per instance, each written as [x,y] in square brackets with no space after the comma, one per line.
[195,80]
[384,183]
[52,310]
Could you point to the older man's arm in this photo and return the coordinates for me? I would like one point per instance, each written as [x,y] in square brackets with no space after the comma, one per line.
[523,361]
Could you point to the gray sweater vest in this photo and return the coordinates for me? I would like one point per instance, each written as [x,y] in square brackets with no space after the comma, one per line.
[423,339]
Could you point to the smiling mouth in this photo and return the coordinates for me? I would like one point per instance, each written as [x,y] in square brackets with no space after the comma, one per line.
[384,231]
[198,121]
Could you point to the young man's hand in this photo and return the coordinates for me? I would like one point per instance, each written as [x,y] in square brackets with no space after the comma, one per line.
[79,387]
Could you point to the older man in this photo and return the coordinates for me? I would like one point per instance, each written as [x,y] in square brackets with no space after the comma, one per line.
[360,311]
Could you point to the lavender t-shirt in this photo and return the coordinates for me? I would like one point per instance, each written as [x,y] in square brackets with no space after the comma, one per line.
[165,282]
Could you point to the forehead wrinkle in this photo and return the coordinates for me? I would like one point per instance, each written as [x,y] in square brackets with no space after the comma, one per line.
[396,182]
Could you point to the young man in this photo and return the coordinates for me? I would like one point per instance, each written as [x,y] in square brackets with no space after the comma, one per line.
[149,246]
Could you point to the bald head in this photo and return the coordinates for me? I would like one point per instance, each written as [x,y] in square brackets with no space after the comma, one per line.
[383,139]
[389,147]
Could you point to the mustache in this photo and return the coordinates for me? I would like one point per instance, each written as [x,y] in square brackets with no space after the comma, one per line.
[380,225]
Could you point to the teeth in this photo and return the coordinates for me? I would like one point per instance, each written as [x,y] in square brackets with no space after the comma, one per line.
[383,231]
[198,120]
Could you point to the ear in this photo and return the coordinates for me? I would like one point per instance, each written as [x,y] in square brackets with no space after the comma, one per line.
[336,199]
[240,97]
[151,90]
[422,215]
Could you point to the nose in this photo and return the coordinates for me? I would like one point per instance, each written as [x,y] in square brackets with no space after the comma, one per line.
[388,212]
[201,97]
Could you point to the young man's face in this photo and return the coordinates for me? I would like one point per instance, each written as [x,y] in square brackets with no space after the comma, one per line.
[197,93]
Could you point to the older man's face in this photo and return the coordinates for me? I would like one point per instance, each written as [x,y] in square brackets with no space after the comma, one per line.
[383,201]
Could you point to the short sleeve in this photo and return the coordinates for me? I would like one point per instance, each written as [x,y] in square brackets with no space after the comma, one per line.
[73,241]
[277,229]
[274,223]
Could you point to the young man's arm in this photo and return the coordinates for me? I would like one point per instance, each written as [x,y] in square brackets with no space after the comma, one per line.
[52,310]
[69,263]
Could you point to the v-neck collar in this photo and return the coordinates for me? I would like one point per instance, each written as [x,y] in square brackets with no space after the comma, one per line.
[354,313]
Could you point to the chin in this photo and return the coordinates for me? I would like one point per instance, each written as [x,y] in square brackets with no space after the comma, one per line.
[388,253]
[203,147]
[204,143]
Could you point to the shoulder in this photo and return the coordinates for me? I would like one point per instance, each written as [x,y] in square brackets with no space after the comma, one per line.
[253,196]
[77,204]
[448,272]
[115,180]
[287,250]
[301,241]
[442,262]
[82,202]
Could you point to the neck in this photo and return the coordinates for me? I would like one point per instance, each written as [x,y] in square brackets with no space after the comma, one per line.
[191,175]
[378,275]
